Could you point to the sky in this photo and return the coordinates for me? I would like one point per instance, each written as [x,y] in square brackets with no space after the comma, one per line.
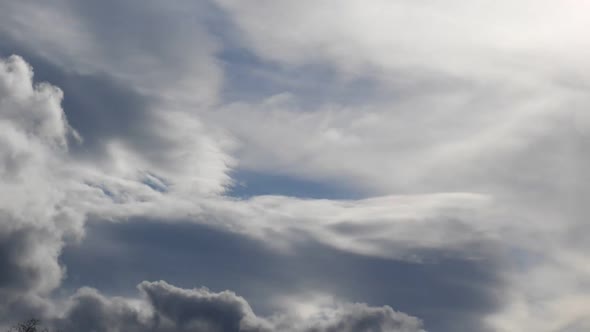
[295,166]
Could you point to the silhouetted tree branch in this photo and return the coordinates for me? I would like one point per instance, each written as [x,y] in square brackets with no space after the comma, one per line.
[31,325]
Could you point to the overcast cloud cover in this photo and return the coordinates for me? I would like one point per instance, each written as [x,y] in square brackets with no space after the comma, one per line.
[299,166]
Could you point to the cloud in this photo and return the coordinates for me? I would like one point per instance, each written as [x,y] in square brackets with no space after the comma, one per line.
[490,41]
[483,99]
[147,61]
[460,292]
[138,115]
[33,216]
[46,194]
[49,194]
[187,163]
[52,193]
[389,226]
[163,308]
[360,317]
[474,144]
[168,308]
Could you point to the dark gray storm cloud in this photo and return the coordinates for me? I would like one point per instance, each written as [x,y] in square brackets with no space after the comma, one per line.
[166,308]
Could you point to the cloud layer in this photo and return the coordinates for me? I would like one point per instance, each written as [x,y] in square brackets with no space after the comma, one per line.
[34,217]
[466,135]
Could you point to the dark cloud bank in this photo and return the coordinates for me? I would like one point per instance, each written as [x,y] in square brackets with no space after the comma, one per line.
[168,308]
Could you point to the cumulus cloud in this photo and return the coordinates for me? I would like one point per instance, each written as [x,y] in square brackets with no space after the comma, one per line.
[34,217]
[168,308]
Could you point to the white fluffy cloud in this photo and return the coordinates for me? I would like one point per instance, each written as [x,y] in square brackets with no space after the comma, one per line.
[34,215]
